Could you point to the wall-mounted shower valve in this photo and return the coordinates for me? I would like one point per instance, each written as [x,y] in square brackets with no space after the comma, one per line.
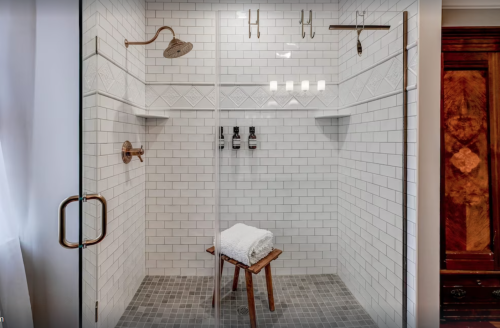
[128,152]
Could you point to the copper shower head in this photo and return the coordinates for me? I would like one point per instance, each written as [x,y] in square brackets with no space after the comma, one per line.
[176,48]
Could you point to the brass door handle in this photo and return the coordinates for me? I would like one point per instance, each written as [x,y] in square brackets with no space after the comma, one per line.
[62,221]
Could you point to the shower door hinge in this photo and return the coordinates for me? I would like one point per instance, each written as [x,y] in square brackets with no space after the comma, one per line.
[96,311]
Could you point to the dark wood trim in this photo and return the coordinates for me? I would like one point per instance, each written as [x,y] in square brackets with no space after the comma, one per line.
[486,255]
[470,32]
[477,273]
[442,219]
[476,61]
[494,127]
[468,272]
[466,59]
[474,39]
[441,205]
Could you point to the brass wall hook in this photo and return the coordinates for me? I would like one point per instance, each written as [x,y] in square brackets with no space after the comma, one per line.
[309,23]
[250,24]
[128,152]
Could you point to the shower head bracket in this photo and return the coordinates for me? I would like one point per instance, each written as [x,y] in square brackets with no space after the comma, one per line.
[127,43]
[176,47]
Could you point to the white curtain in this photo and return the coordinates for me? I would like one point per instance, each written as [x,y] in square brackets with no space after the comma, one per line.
[17,61]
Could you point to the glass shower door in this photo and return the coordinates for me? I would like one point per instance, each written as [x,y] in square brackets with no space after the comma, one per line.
[282,176]
[325,171]
[113,100]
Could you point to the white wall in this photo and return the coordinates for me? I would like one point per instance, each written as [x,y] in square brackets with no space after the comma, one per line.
[428,225]
[279,54]
[17,64]
[467,4]
[471,17]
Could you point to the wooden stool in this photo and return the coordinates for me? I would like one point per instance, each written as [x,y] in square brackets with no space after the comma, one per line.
[249,270]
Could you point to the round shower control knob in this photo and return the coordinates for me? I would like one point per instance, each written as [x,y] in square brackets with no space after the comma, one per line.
[128,152]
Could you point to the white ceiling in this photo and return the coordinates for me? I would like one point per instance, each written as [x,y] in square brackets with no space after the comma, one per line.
[470,4]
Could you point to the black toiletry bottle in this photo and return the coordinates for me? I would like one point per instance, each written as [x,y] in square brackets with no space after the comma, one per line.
[221,138]
[236,138]
[252,139]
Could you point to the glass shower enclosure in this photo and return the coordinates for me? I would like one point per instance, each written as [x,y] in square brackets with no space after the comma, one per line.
[320,162]
[325,175]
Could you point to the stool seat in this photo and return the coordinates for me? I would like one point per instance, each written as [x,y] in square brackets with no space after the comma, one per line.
[265,263]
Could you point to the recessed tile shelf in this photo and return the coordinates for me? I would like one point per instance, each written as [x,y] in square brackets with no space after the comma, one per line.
[334,113]
[145,114]
[152,116]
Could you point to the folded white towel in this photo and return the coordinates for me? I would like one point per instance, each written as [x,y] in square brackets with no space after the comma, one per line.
[246,244]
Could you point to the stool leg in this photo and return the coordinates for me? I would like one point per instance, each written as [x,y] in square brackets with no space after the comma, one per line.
[251,300]
[236,276]
[220,277]
[269,283]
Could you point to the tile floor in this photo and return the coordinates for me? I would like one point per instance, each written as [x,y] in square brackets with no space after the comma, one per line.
[301,301]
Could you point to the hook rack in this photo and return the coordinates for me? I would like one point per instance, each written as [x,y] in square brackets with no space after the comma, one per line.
[359,29]
[250,24]
[309,23]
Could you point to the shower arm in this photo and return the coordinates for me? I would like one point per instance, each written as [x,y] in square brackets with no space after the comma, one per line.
[127,43]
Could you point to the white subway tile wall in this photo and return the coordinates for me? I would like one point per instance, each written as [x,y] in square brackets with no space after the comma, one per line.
[288,185]
[113,21]
[235,96]
[370,162]
[280,54]
[180,184]
[91,213]
[115,267]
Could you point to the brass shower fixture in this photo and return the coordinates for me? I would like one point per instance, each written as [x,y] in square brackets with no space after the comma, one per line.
[176,47]
[128,152]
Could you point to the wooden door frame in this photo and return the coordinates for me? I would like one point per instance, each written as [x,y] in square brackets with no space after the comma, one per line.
[478,40]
